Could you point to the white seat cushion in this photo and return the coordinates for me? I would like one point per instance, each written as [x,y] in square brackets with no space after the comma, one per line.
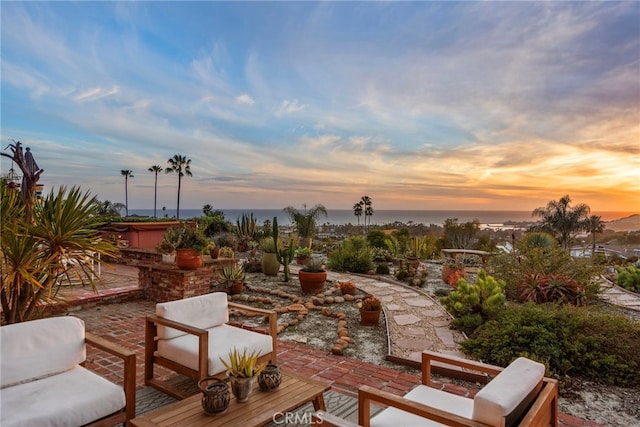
[72,398]
[39,348]
[222,339]
[509,393]
[442,400]
[205,311]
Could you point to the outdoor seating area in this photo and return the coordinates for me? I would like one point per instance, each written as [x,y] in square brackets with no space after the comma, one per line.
[44,384]
[518,395]
[363,384]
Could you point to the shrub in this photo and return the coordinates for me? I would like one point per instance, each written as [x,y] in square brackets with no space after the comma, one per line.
[353,255]
[472,300]
[382,268]
[532,259]
[552,288]
[375,238]
[629,278]
[577,341]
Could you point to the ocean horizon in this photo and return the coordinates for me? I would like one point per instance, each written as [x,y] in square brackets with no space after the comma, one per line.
[380,217]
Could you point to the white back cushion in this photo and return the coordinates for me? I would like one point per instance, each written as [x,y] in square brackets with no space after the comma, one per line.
[509,393]
[40,348]
[205,311]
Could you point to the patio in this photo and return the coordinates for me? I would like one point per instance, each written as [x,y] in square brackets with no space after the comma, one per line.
[123,322]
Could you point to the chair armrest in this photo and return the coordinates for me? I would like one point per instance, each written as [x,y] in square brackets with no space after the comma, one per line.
[129,375]
[325,419]
[367,394]
[273,322]
[430,356]
[176,325]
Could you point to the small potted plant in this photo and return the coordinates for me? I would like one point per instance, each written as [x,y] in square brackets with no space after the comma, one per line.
[242,369]
[189,242]
[232,275]
[312,277]
[452,271]
[303,255]
[370,308]
[168,252]
[416,246]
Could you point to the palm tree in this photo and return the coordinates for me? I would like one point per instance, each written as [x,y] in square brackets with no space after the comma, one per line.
[368,210]
[306,221]
[37,254]
[593,225]
[357,211]
[562,220]
[127,173]
[182,166]
[155,169]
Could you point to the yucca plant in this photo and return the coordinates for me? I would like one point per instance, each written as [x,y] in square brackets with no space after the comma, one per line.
[36,255]
[243,365]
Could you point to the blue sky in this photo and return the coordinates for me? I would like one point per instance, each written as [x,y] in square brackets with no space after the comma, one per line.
[420,105]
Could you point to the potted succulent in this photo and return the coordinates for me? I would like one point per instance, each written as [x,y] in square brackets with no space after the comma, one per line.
[416,246]
[452,271]
[312,277]
[232,275]
[189,242]
[242,369]
[303,255]
[269,262]
[370,309]
[168,252]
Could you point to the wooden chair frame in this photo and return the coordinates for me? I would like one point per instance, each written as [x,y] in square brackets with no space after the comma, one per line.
[542,412]
[129,381]
[151,346]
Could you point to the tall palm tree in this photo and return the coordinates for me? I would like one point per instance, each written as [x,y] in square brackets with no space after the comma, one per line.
[182,166]
[127,173]
[306,221]
[368,210]
[593,225]
[357,211]
[562,220]
[155,169]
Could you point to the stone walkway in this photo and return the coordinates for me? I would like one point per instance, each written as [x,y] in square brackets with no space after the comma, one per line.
[415,321]
[616,295]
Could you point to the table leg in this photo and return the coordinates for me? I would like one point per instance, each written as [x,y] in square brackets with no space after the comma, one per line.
[318,403]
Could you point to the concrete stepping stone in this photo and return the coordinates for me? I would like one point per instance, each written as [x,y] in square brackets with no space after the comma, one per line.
[419,302]
[406,319]
[394,307]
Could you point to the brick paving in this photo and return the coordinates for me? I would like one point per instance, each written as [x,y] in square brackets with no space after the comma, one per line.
[123,322]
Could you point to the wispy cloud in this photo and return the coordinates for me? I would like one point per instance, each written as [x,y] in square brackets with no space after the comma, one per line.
[96,93]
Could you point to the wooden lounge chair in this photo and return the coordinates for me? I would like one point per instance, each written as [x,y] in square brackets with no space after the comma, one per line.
[519,395]
[189,336]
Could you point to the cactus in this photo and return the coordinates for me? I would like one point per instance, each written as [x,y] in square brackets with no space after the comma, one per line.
[284,254]
[246,228]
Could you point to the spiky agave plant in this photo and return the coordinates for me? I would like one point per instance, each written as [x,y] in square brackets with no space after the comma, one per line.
[243,365]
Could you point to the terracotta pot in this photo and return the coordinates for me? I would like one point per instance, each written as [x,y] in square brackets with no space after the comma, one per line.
[369,318]
[312,283]
[235,288]
[413,261]
[270,264]
[188,259]
[214,252]
[448,272]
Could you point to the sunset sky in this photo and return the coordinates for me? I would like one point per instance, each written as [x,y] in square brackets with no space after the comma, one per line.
[420,105]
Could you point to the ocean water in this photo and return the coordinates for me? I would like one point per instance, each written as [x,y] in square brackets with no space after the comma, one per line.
[380,217]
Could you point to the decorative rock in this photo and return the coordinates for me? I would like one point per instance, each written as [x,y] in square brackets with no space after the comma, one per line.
[244,298]
[337,350]
[341,316]
[329,300]
[293,322]
[342,332]
[349,297]
[296,307]
[300,317]
[326,311]
[338,300]
[318,301]
[342,324]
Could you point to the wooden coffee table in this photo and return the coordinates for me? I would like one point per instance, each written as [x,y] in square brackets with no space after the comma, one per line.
[259,410]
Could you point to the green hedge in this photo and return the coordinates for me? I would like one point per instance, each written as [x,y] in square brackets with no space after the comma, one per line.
[576,341]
